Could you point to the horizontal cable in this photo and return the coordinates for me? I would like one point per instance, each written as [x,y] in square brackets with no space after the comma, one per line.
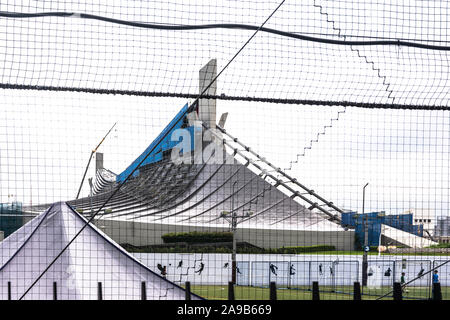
[395,42]
[235,98]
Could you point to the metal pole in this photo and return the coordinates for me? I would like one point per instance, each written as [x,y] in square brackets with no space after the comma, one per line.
[366,240]
[273,291]
[233,228]
[230,291]
[315,290]
[55,291]
[397,291]
[356,291]
[188,291]
[143,291]
[99,291]
[379,239]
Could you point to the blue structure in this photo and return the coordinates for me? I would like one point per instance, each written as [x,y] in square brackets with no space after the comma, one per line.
[11,217]
[402,222]
[155,151]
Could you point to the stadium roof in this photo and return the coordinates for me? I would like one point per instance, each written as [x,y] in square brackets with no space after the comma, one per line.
[197,194]
[216,174]
[162,191]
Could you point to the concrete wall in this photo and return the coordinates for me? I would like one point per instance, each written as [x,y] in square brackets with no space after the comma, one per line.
[140,234]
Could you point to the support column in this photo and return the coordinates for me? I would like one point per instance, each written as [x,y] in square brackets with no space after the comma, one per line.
[98,161]
[207,107]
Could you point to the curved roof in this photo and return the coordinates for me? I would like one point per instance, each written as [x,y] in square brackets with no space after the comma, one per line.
[192,193]
[196,194]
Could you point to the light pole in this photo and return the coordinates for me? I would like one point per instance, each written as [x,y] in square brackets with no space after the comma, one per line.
[379,239]
[366,240]
[233,228]
[233,221]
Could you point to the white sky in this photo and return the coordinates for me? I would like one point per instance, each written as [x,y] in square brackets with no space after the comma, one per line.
[46,137]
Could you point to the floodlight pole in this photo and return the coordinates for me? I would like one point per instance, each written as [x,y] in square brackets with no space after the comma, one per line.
[366,241]
[379,239]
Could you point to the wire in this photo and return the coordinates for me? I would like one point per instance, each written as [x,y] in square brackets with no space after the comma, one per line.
[193,105]
[395,42]
[90,158]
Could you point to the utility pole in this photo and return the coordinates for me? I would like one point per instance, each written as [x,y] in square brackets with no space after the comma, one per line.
[233,228]
[366,240]
[233,221]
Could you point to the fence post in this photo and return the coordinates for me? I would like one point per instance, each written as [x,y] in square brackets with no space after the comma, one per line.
[315,291]
[273,291]
[398,291]
[99,291]
[356,291]
[188,290]
[55,291]
[437,294]
[143,291]
[9,290]
[230,290]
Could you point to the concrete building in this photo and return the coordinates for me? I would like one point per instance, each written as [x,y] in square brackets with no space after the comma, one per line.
[442,229]
[389,229]
[425,217]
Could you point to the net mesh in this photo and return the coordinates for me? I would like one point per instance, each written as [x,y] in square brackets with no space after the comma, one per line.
[87,53]
[320,98]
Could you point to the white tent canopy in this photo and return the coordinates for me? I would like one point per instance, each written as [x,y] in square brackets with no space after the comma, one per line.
[92,258]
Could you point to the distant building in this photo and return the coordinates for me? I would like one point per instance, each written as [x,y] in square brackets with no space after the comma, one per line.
[442,229]
[11,217]
[375,220]
[425,217]
[443,239]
